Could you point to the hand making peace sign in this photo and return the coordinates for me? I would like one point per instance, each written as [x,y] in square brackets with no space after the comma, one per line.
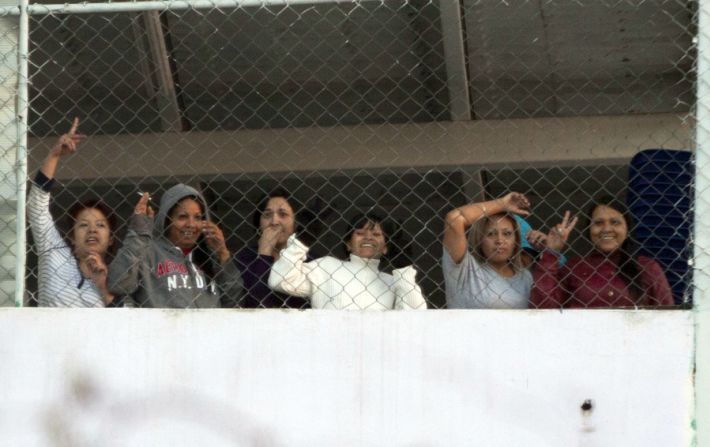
[558,235]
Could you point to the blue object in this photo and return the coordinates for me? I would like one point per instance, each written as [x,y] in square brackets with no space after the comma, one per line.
[525,228]
[660,199]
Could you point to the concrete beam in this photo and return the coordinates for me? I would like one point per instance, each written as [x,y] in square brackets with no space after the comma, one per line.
[455,57]
[156,69]
[157,5]
[445,145]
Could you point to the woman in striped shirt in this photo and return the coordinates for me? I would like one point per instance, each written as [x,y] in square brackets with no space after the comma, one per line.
[72,272]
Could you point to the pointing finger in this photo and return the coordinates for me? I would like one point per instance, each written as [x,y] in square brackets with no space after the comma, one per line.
[74,126]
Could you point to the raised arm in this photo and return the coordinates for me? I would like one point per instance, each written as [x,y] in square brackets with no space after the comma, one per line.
[460,219]
[65,145]
[289,274]
[549,278]
[124,271]
[43,228]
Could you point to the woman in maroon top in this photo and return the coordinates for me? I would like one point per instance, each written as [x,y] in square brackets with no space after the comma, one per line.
[610,276]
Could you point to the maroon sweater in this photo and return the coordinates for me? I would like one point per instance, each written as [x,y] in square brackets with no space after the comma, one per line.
[594,281]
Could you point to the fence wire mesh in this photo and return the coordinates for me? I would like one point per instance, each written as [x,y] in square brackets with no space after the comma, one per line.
[411,108]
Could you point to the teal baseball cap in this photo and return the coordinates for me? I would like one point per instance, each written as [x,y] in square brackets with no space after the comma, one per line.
[525,228]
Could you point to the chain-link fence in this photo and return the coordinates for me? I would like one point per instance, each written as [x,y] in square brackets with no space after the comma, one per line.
[413,109]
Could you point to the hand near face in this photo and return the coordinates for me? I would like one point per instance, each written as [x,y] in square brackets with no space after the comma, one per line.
[537,239]
[276,223]
[516,203]
[558,235]
[215,240]
[95,269]
[269,239]
[67,143]
[143,208]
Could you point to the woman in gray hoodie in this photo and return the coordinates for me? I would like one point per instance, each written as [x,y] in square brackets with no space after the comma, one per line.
[176,258]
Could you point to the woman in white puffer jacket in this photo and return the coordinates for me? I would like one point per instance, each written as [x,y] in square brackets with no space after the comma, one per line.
[357,283]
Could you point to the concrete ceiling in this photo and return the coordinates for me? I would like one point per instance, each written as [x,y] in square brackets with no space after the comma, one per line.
[566,58]
[362,62]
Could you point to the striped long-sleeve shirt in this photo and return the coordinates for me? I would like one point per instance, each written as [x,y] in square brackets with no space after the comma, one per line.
[61,283]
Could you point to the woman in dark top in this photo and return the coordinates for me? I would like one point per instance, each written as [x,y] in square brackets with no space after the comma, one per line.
[612,275]
[275,220]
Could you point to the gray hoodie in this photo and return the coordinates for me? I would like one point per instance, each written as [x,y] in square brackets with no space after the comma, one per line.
[156,273]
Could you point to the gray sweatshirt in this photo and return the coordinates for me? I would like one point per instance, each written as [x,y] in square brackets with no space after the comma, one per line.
[156,273]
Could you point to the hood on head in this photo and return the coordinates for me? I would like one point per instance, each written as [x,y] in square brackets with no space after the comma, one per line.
[170,198]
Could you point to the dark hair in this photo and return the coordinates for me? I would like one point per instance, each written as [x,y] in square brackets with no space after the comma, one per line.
[292,202]
[370,219]
[168,219]
[201,254]
[91,203]
[399,245]
[629,268]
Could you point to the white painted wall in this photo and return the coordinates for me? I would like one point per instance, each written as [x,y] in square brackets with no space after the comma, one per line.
[216,378]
